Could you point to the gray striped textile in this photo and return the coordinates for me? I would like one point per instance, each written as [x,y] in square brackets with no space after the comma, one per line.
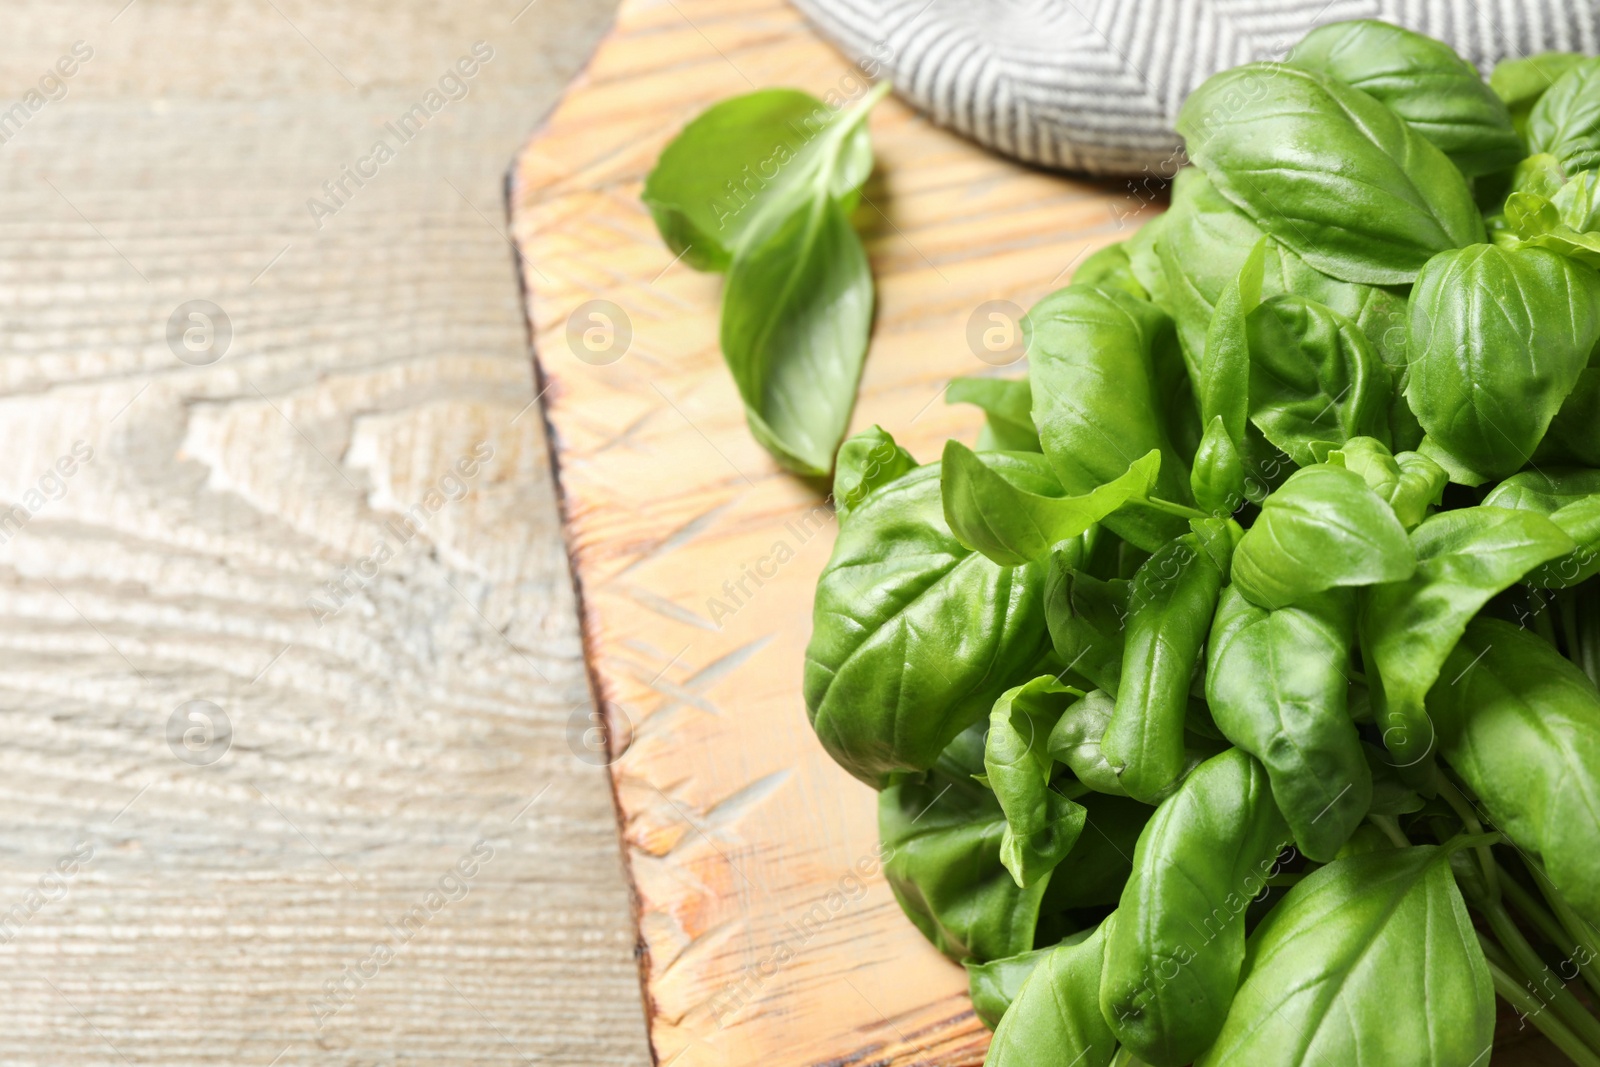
[1093,85]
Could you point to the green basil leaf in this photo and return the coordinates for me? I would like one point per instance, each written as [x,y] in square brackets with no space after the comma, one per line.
[1464,557]
[1171,602]
[994,986]
[1539,223]
[1110,268]
[1041,824]
[1521,725]
[1278,684]
[1571,500]
[1521,82]
[941,837]
[1316,983]
[1094,400]
[1056,1016]
[795,317]
[1203,248]
[1423,81]
[1144,262]
[1497,339]
[1177,941]
[1359,194]
[1075,741]
[1007,405]
[867,461]
[913,635]
[1566,121]
[1313,378]
[1410,483]
[1323,528]
[739,154]
[993,504]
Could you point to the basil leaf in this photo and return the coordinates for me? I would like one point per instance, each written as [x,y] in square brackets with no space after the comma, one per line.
[1410,483]
[1423,81]
[1323,528]
[1094,872]
[1497,339]
[1177,942]
[1056,1016]
[1313,378]
[795,316]
[1110,268]
[994,986]
[1521,725]
[1464,557]
[1566,121]
[1538,222]
[1278,684]
[993,502]
[1008,408]
[941,836]
[1041,824]
[1171,602]
[913,635]
[1329,171]
[1571,500]
[1521,82]
[1218,476]
[714,177]
[1203,248]
[867,461]
[1095,404]
[1312,993]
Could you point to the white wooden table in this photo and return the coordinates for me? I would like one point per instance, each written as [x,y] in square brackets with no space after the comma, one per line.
[398,748]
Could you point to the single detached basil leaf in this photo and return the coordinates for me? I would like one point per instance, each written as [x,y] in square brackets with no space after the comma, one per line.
[1521,725]
[1177,942]
[1170,605]
[1464,557]
[1007,405]
[1566,120]
[795,316]
[1110,268]
[1497,339]
[992,508]
[1056,1016]
[1041,824]
[1329,171]
[1203,248]
[1318,980]
[1424,82]
[1410,483]
[1278,684]
[867,461]
[1571,500]
[942,839]
[713,178]
[1094,400]
[913,635]
[1521,82]
[994,986]
[1313,377]
[1321,529]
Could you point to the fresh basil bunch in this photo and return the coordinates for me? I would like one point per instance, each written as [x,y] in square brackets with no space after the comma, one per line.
[1234,701]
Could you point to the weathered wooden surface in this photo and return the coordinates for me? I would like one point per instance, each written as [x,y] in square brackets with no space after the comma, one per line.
[207,906]
[743,840]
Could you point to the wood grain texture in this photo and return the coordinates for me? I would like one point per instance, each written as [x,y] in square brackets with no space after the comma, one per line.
[744,842]
[374,751]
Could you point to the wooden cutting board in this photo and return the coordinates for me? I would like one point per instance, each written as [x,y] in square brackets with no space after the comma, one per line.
[766,932]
